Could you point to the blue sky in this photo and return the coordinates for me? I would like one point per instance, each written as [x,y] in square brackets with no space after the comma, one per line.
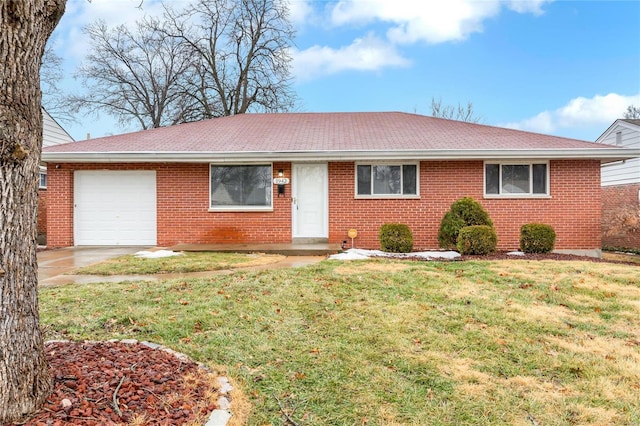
[567,68]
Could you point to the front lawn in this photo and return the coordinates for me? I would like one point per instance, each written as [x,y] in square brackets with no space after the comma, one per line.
[181,263]
[383,342]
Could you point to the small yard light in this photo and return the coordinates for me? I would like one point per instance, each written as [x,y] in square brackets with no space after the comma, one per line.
[352,234]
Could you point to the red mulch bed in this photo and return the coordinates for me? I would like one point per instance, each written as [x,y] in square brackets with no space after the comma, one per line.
[531,256]
[540,256]
[150,382]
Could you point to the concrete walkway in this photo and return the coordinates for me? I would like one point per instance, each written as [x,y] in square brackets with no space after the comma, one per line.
[52,263]
[55,267]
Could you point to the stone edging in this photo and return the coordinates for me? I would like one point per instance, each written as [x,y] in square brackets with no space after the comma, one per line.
[218,417]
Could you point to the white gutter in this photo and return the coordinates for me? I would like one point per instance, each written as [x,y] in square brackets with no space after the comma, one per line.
[603,154]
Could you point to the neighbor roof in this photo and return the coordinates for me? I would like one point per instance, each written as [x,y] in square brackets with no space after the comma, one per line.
[627,123]
[327,136]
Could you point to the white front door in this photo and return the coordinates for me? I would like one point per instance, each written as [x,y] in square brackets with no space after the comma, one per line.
[310,200]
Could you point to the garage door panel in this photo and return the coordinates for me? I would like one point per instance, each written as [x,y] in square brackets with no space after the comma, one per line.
[115,207]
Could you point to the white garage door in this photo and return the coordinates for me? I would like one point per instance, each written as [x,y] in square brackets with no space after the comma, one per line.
[115,208]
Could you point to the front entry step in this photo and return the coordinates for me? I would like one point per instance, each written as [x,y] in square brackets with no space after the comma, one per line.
[309,240]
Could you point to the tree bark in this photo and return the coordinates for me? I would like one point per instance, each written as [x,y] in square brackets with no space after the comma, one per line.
[25,26]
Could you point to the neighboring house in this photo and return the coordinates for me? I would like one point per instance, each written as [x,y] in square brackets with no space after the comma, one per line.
[52,134]
[214,181]
[621,188]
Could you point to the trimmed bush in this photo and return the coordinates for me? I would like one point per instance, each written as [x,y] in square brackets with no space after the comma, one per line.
[537,238]
[395,238]
[464,212]
[477,239]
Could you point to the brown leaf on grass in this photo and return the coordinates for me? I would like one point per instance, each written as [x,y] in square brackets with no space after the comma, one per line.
[298,375]
[183,302]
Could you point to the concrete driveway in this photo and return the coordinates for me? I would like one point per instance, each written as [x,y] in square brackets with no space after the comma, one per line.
[52,263]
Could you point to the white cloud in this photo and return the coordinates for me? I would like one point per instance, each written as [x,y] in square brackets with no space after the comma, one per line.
[527,6]
[429,21]
[364,54]
[300,12]
[579,112]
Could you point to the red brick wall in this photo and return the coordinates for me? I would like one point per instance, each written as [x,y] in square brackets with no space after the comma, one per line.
[621,216]
[573,209]
[59,206]
[42,211]
[183,200]
[182,203]
[183,216]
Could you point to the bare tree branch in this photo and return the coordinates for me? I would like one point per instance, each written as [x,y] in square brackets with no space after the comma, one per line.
[53,99]
[632,112]
[134,74]
[243,49]
[451,112]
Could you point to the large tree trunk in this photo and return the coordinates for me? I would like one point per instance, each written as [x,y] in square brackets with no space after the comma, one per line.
[25,26]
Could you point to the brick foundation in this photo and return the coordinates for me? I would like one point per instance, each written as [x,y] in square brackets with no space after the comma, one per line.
[621,216]
[183,199]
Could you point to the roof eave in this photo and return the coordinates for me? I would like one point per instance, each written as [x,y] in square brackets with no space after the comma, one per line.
[603,154]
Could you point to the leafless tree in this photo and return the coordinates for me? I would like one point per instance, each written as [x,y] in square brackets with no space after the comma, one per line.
[210,59]
[25,27]
[241,55]
[134,74]
[451,112]
[632,112]
[53,99]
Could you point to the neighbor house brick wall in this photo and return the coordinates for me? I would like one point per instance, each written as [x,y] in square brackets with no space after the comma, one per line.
[183,201]
[573,209]
[621,216]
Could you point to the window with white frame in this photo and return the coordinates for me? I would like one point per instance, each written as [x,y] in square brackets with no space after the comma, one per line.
[516,179]
[387,180]
[42,181]
[241,187]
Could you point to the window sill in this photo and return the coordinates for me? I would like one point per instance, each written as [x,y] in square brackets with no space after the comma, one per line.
[387,197]
[240,209]
[518,196]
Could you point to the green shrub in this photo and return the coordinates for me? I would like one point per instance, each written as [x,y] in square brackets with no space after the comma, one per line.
[477,239]
[464,212]
[537,238]
[395,238]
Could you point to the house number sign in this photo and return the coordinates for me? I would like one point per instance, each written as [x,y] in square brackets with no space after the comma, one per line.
[280,181]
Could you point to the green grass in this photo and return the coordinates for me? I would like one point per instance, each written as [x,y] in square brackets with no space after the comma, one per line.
[185,262]
[384,342]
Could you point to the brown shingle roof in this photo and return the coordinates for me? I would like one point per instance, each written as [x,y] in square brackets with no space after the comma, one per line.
[335,135]
[290,132]
[632,121]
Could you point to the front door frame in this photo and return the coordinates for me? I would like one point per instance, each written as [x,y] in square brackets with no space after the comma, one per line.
[296,189]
